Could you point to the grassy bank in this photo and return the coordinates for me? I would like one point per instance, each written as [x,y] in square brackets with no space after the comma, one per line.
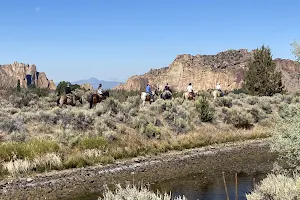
[38,136]
[284,181]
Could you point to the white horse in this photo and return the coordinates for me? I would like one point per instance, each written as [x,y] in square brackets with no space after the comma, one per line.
[217,93]
[145,97]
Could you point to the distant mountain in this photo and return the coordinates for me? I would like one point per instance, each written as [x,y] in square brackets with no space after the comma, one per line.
[95,83]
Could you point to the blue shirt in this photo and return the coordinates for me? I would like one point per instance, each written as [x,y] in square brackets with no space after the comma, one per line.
[148,89]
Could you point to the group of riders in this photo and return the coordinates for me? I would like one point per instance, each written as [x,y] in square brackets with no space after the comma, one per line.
[189,88]
[166,89]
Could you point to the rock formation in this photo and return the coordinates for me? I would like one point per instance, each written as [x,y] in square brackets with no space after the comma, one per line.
[27,74]
[204,71]
[87,86]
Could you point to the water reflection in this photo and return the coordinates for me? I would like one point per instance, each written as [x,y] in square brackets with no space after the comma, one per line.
[203,188]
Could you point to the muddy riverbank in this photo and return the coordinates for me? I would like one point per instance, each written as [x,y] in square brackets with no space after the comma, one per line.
[247,157]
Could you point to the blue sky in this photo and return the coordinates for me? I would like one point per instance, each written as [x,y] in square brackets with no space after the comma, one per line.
[112,40]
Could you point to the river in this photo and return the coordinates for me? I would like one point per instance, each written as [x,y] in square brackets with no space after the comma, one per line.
[200,187]
[195,173]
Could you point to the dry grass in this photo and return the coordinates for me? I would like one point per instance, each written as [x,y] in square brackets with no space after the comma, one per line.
[277,187]
[133,192]
[50,137]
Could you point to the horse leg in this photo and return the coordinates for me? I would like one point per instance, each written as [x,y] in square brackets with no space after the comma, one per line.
[91,102]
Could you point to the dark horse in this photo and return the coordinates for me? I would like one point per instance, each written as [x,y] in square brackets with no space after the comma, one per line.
[167,94]
[95,98]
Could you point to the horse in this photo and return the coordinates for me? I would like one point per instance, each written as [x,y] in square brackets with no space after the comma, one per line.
[188,96]
[68,99]
[166,95]
[217,93]
[146,97]
[95,98]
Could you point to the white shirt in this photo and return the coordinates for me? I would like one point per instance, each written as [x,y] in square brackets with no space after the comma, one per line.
[100,91]
[218,87]
[190,88]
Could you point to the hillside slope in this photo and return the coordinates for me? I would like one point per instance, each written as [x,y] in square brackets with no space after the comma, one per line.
[204,71]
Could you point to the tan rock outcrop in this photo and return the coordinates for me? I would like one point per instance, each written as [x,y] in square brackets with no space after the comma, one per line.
[87,86]
[27,74]
[52,85]
[204,71]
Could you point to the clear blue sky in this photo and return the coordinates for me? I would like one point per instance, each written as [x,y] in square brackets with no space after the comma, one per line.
[73,40]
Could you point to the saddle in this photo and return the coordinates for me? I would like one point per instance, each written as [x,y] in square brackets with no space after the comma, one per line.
[191,94]
[148,97]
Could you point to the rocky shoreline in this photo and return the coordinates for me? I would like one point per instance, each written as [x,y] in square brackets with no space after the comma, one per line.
[248,156]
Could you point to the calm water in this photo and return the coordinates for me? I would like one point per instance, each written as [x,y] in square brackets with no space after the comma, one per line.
[204,188]
[198,186]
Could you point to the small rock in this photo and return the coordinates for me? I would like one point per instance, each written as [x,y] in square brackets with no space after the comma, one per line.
[29,180]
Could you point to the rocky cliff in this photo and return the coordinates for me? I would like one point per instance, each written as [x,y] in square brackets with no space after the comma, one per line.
[27,74]
[204,71]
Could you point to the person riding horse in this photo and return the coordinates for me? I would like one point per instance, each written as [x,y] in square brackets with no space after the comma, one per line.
[167,88]
[99,90]
[190,90]
[167,93]
[218,88]
[148,91]
[68,89]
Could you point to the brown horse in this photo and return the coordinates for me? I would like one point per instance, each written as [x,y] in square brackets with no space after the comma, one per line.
[189,96]
[95,98]
[69,99]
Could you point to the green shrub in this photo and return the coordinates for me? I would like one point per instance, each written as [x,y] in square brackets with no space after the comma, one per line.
[238,91]
[23,98]
[286,142]
[152,131]
[224,101]
[12,124]
[239,117]
[77,161]
[29,149]
[265,106]
[98,142]
[277,187]
[288,110]
[288,98]
[252,100]
[257,113]
[180,125]
[205,110]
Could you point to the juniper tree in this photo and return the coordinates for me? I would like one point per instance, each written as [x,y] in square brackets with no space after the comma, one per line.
[262,78]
